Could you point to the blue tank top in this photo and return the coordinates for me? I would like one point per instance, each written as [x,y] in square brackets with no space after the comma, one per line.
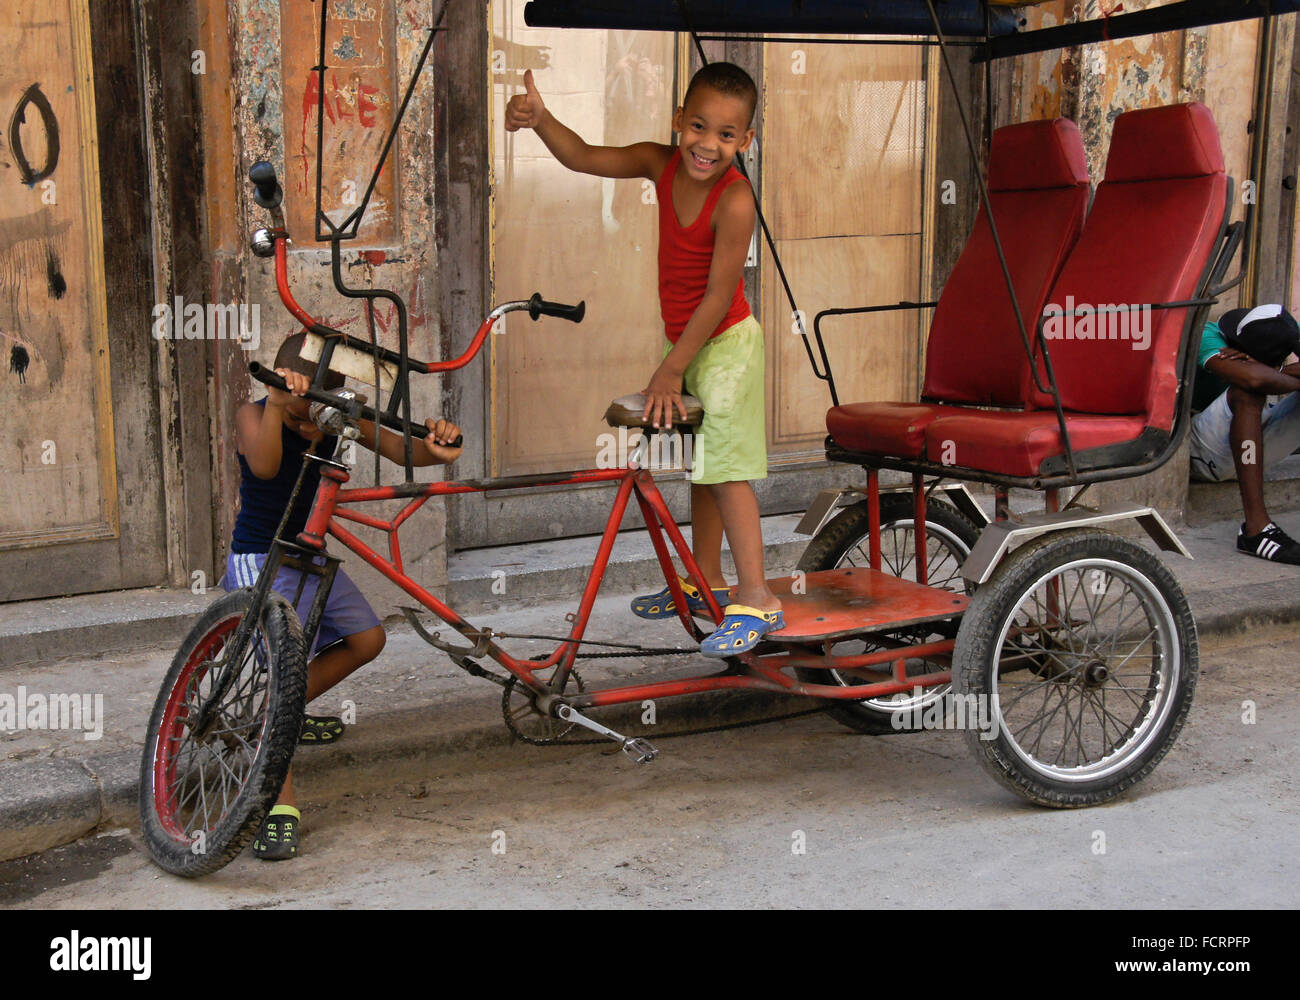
[262,501]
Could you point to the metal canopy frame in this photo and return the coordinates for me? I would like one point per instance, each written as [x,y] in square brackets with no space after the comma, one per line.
[1187,14]
[336,235]
[1171,17]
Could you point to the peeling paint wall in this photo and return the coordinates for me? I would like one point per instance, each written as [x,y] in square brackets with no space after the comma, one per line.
[373,46]
[1094,84]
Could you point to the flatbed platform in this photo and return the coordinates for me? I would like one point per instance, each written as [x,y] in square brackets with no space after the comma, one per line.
[836,603]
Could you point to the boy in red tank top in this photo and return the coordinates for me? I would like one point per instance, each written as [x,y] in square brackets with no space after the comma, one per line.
[714,347]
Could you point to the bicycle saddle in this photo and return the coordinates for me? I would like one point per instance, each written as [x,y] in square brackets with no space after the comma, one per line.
[626,412]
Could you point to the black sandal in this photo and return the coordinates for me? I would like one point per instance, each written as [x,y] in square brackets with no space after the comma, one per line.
[321,729]
[280,836]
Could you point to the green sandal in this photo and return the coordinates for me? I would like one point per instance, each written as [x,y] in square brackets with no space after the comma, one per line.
[321,729]
[281,833]
[662,605]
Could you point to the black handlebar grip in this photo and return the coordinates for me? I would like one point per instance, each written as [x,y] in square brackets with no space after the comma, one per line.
[268,377]
[537,306]
[268,192]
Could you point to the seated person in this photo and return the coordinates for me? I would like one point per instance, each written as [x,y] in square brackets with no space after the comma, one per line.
[1246,358]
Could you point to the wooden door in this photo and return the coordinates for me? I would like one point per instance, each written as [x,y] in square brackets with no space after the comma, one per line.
[80,507]
[843,168]
[848,219]
[571,237]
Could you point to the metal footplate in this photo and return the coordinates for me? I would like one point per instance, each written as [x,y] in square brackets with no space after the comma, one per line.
[641,751]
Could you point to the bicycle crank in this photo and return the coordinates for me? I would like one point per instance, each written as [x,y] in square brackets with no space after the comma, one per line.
[641,751]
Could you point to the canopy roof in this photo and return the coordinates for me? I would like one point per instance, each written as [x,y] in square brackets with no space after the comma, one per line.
[970,18]
[877,17]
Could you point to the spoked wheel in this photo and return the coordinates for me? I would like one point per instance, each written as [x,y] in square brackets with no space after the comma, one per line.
[204,793]
[1081,654]
[845,541]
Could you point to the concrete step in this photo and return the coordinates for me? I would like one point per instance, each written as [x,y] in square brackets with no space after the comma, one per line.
[95,624]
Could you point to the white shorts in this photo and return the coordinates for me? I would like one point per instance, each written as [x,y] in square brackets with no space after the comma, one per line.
[1211,444]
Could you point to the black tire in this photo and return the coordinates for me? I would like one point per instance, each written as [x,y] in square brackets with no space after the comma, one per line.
[843,542]
[1063,622]
[265,703]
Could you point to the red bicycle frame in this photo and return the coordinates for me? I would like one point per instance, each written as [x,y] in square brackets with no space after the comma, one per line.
[763,669]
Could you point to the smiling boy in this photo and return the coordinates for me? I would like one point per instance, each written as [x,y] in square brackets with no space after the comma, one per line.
[714,346]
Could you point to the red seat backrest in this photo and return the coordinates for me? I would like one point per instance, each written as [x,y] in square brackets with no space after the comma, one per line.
[1038,186]
[1153,225]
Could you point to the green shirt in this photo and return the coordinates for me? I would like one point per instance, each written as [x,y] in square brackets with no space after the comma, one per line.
[1212,343]
[1208,386]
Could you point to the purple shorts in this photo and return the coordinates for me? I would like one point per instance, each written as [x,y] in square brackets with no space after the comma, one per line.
[346,611]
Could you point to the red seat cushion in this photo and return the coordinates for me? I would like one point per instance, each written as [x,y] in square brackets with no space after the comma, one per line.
[1017,444]
[884,428]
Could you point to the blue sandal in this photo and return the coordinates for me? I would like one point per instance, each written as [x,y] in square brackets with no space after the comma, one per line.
[662,605]
[740,630]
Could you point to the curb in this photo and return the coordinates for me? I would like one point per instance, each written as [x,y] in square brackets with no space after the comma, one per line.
[116,622]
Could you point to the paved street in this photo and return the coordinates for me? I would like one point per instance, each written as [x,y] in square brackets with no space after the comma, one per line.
[905,821]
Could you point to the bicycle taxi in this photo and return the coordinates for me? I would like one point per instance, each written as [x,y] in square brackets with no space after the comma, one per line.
[1075,640]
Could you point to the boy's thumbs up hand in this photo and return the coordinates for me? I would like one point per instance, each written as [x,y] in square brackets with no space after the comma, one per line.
[525,110]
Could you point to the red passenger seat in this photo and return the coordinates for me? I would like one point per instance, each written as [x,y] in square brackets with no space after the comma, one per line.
[1038,185]
[1154,225]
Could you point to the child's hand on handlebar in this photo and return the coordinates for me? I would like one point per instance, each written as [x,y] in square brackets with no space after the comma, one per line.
[525,110]
[298,385]
[441,434]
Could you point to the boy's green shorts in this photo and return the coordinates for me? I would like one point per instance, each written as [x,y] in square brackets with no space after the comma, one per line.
[728,377]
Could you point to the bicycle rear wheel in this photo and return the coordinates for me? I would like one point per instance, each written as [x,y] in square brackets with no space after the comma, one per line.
[203,795]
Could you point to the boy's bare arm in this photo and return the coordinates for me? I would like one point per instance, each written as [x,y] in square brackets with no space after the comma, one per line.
[642,159]
[257,428]
[433,450]
[733,225]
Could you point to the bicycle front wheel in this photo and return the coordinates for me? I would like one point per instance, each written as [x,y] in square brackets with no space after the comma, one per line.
[204,793]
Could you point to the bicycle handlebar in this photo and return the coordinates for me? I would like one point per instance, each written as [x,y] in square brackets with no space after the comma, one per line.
[355,409]
[269,194]
[537,306]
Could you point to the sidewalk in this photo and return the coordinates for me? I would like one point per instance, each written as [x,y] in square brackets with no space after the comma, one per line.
[413,704]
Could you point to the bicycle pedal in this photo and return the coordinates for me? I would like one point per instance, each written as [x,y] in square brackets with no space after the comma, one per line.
[641,751]
[638,749]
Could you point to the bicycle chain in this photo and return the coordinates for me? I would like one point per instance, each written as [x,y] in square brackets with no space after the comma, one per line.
[509,683]
[721,728]
[631,650]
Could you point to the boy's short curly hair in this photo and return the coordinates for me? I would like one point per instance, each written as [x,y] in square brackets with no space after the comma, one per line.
[726,78]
